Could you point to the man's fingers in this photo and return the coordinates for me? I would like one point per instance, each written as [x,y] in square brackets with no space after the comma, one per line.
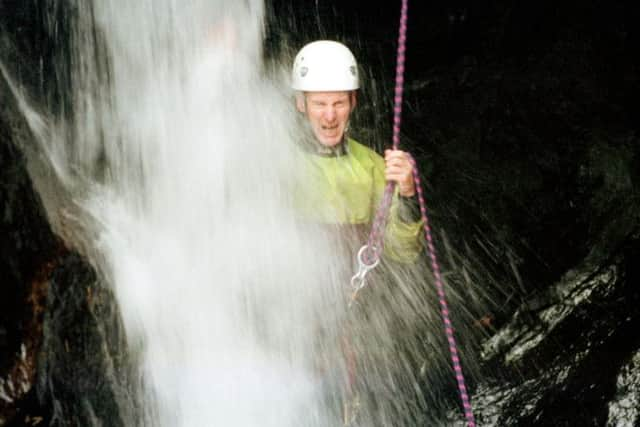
[398,176]
[397,161]
[394,153]
[399,168]
[397,158]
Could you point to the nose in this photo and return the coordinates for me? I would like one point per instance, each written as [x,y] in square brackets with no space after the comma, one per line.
[330,114]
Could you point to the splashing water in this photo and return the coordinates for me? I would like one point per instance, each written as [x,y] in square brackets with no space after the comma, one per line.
[211,273]
[179,155]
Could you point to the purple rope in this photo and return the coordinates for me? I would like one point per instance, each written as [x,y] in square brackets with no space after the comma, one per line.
[375,241]
[444,306]
[376,236]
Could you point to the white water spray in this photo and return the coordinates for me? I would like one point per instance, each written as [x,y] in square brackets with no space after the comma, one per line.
[176,162]
[182,154]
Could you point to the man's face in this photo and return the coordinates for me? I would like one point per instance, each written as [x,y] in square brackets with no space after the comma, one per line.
[328,114]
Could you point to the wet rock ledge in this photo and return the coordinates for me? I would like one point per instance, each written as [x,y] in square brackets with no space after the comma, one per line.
[570,355]
[60,362]
[28,253]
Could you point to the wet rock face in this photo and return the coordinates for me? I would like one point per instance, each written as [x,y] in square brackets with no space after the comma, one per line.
[26,235]
[624,409]
[82,374]
[61,358]
[573,358]
[26,245]
[59,342]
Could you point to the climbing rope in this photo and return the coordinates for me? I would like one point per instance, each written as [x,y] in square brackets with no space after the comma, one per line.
[369,254]
[375,242]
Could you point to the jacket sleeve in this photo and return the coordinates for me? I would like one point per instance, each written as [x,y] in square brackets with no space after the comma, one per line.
[403,240]
[403,235]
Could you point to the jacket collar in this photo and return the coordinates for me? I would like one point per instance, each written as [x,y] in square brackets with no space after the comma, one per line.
[341,149]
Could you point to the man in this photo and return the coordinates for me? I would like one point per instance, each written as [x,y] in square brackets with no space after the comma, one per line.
[350,178]
[345,180]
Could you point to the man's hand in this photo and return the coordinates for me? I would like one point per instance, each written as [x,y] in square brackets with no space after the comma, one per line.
[398,169]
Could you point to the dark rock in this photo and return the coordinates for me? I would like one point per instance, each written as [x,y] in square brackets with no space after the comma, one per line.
[573,362]
[82,372]
[61,362]
[27,246]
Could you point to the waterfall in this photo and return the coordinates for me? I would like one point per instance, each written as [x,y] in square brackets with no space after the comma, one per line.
[171,161]
[179,154]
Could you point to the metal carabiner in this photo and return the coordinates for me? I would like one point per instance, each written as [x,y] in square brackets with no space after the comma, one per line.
[358,280]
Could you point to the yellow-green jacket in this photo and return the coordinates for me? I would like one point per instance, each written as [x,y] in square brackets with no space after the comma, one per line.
[347,189]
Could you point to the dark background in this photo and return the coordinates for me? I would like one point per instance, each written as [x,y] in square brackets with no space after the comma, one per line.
[523,117]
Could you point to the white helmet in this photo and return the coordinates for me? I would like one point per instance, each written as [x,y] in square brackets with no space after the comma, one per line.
[324,66]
